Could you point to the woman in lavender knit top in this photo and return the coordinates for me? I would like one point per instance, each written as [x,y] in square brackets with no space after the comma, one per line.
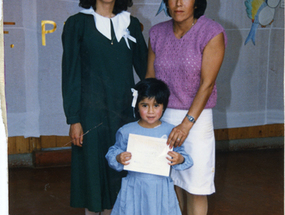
[186,52]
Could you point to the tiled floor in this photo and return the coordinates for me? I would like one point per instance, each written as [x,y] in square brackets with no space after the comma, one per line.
[247,183]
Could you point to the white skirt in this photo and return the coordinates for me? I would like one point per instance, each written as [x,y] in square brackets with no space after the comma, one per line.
[200,145]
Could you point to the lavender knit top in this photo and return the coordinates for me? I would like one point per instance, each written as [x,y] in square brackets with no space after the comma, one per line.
[178,61]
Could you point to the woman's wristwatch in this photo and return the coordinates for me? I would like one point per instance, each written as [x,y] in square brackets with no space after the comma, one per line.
[191,118]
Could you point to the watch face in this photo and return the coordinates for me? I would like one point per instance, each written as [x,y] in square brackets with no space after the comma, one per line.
[191,118]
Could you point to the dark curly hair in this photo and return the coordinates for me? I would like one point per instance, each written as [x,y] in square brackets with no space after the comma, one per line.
[152,88]
[199,8]
[120,5]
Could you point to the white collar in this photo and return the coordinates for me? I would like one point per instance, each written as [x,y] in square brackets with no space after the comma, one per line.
[120,23]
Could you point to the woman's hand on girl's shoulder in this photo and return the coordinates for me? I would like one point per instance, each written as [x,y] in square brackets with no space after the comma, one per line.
[176,158]
[124,157]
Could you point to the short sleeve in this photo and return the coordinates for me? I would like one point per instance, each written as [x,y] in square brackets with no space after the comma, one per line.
[153,37]
[154,34]
[210,30]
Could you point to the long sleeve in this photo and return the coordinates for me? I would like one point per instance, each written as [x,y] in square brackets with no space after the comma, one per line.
[140,51]
[71,73]
[119,147]
[188,162]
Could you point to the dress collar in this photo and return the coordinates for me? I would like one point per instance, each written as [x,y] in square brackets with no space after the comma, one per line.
[120,23]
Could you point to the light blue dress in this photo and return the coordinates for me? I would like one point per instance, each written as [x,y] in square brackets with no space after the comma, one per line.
[143,193]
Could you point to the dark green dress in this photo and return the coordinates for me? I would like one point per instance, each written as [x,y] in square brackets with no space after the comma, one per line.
[97,78]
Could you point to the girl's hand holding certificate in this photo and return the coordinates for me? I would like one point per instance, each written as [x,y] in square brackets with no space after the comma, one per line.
[175,158]
[124,157]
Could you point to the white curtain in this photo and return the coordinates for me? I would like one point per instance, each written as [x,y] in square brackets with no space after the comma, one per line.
[250,83]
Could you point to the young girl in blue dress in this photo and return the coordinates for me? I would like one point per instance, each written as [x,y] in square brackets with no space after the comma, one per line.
[143,193]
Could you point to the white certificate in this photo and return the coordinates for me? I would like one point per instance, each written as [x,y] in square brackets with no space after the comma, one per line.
[148,155]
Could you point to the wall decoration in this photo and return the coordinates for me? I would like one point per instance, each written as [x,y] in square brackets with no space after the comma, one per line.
[162,7]
[261,12]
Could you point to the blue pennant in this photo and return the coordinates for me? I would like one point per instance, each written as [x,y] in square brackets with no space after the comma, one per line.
[162,7]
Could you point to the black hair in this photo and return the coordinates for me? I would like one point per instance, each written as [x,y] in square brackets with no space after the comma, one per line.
[120,5]
[199,8]
[152,88]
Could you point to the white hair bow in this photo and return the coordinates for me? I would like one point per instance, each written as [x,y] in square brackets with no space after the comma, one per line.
[135,97]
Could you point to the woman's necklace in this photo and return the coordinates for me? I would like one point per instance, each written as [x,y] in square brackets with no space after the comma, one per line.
[180,36]
[112,33]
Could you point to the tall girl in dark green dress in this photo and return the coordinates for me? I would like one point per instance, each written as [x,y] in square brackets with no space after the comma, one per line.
[101,45]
